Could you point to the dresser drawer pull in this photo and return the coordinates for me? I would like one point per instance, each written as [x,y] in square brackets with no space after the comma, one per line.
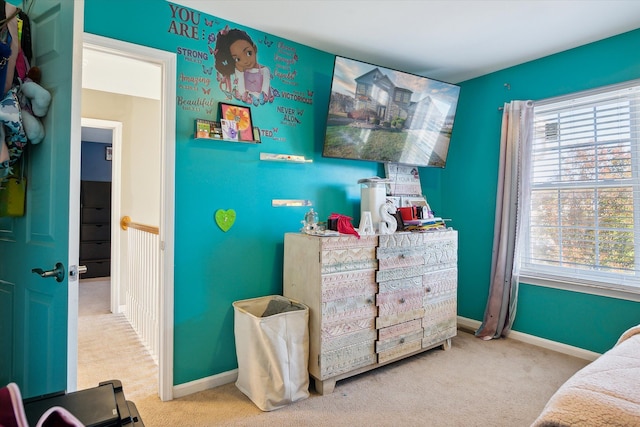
[428,289]
[402,300]
[401,340]
[369,301]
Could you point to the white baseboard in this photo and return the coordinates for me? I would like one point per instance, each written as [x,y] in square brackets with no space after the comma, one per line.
[202,384]
[464,323]
[467,324]
[472,325]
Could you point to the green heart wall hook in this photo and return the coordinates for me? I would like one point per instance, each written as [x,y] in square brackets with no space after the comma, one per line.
[225,219]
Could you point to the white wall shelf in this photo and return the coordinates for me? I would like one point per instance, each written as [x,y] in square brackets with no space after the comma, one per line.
[198,138]
[270,157]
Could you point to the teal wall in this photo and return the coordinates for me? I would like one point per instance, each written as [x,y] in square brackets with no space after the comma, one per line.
[214,268]
[468,186]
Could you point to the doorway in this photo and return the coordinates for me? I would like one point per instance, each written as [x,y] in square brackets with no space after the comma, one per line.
[101,159]
[117,74]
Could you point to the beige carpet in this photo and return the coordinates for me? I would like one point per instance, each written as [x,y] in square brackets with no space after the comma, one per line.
[108,347]
[476,383]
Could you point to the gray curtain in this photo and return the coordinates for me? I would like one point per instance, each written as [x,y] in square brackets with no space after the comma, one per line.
[512,211]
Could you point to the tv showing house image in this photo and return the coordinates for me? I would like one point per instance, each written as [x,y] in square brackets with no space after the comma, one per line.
[384,115]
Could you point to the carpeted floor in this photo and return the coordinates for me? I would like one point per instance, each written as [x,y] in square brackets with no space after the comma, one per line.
[476,383]
[108,347]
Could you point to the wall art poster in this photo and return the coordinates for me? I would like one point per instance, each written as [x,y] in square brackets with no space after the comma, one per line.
[241,116]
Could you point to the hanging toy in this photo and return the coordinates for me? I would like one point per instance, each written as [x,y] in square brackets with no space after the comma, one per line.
[39,98]
[35,101]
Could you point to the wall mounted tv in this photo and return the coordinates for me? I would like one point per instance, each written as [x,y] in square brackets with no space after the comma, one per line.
[384,115]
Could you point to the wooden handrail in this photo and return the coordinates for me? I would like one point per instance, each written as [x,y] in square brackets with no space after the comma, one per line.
[126,222]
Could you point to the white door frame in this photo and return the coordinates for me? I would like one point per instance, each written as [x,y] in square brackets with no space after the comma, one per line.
[167,61]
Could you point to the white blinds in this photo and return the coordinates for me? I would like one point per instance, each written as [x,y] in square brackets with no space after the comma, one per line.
[585,182]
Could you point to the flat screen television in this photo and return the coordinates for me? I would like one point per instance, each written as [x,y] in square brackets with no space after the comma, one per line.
[384,115]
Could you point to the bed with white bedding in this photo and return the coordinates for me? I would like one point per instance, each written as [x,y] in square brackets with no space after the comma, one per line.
[604,393]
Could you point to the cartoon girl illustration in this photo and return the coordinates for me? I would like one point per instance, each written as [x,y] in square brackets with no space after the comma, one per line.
[237,61]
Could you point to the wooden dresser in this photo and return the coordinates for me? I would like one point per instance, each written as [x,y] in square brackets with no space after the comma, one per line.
[372,300]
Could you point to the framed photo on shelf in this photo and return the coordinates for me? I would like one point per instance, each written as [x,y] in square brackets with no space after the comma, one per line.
[242,116]
[256,135]
[229,129]
[207,129]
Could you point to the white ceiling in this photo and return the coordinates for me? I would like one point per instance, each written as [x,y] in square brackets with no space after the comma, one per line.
[450,40]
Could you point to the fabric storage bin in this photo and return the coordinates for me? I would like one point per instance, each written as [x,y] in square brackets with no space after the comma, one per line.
[272,346]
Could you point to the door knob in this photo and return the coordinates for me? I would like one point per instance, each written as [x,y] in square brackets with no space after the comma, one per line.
[57,272]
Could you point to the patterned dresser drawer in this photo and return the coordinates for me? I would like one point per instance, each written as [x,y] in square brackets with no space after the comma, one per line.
[400,296]
[439,321]
[440,304]
[441,250]
[345,356]
[347,324]
[399,351]
[398,340]
[348,302]
[348,253]
[335,277]
[399,301]
[440,284]
[400,288]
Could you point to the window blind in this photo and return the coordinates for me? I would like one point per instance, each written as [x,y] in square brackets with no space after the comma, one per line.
[584,222]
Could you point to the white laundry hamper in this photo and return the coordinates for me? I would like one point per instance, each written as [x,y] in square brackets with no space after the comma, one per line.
[272,346]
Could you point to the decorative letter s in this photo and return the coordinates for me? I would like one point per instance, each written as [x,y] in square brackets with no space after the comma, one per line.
[388,225]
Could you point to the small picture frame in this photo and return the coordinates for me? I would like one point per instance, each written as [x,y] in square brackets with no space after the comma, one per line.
[108,153]
[256,135]
[206,128]
[242,116]
[229,129]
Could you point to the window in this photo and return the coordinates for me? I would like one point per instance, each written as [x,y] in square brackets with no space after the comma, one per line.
[363,89]
[584,219]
